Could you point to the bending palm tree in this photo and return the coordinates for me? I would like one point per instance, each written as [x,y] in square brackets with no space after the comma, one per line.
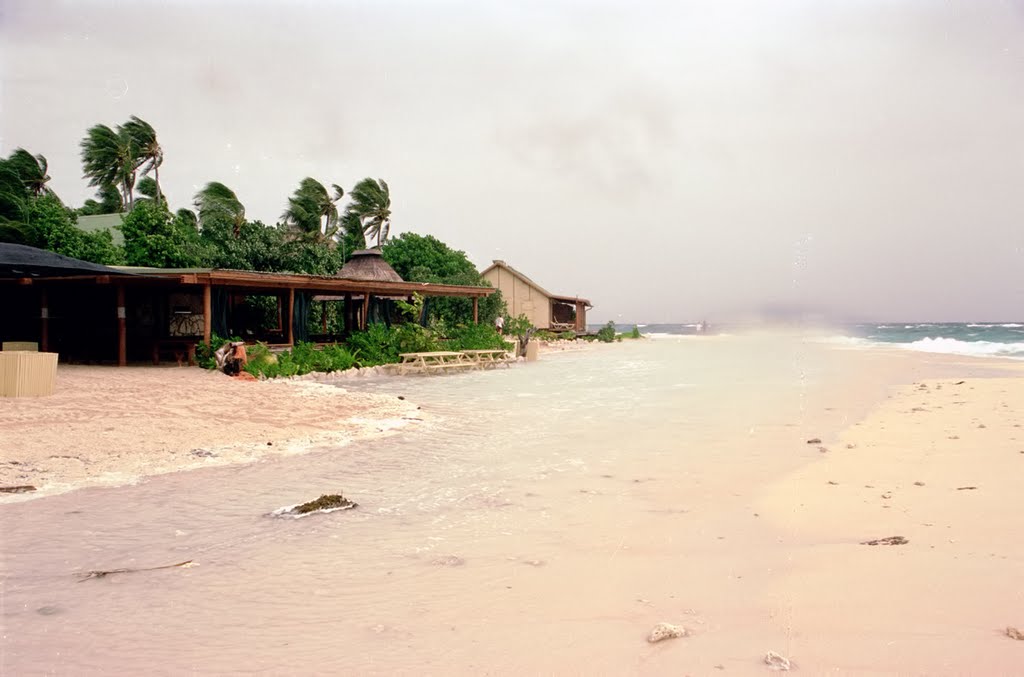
[149,153]
[110,159]
[310,203]
[31,170]
[217,201]
[371,203]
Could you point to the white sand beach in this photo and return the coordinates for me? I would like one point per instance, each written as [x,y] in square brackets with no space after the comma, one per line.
[110,426]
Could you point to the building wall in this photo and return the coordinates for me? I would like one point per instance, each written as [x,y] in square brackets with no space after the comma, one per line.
[521,297]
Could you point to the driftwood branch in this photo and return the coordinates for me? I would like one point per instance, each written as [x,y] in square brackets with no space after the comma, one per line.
[100,573]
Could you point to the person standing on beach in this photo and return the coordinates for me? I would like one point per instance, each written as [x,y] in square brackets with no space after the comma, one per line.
[499,324]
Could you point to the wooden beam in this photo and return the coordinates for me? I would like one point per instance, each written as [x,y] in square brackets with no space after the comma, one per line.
[122,329]
[476,310]
[44,321]
[207,315]
[291,316]
[366,312]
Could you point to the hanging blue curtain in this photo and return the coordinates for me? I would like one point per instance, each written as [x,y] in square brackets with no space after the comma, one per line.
[219,308]
[300,315]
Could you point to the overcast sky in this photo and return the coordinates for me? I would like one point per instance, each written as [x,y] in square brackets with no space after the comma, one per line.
[669,161]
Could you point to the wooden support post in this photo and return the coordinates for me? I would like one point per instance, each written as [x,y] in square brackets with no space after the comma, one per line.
[122,328]
[44,322]
[476,310]
[207,314]
[291,316]
[323,316]
[364,320]
[347,315]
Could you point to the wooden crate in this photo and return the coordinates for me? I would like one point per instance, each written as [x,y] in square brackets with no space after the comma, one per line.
[27,374]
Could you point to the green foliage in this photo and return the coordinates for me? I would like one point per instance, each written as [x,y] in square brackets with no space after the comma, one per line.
[424,258]
[109,202]
[153,237]
[634,334]
[476,337]
[606,334]
[545,335]
[374,346]
[313,211]
[521,328]
[371,207]
[48,224]
[215,202]
[567,336]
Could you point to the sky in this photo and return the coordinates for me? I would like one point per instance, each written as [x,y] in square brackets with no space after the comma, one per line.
[858,160]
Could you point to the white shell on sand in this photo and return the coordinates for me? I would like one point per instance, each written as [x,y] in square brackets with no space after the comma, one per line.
[777,661]
[666,631]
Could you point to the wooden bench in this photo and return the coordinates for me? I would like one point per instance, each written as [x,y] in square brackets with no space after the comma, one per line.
[183,349]
[441,360]
[488,359]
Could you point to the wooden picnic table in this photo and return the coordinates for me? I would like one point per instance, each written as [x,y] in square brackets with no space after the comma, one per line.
[443,360]
[488,358]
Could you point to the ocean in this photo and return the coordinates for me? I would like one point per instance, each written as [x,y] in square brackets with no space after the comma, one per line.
[979,339]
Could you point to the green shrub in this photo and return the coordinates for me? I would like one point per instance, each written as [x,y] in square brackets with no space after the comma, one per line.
[304,358]
[545,335]
[635,333]
[567,336]
[376,345]
[606,334]
[476,337]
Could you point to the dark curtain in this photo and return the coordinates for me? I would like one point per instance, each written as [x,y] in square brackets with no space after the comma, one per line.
[382,311]
[300,315]
[425,313]
[219,305]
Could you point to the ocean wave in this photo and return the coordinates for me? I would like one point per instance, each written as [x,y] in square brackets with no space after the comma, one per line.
[974,348]
[991,325]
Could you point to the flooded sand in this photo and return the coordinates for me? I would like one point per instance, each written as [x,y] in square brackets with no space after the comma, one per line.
[542,519]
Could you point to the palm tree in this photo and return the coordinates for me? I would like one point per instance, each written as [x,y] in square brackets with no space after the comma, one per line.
[149,189]
[371,203]
[23,179]
[109,202]
[217,201]
[110,159]
[31,170]
[310,203]
[149,154]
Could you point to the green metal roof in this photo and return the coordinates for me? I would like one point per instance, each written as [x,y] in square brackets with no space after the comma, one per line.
[100,222]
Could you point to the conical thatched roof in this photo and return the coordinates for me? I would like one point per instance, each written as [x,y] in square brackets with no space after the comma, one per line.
[368,264]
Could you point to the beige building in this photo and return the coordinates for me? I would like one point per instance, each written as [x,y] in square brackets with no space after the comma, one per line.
[545,310]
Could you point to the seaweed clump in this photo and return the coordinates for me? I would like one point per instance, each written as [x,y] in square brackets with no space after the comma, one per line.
[325,502]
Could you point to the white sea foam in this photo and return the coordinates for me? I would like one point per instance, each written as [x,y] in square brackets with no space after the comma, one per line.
[975,348]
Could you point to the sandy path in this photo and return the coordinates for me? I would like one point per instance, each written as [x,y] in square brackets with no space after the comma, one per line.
[938,463]
[110,426]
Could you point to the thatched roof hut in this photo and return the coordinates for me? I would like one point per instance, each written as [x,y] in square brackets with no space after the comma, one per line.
[368,264]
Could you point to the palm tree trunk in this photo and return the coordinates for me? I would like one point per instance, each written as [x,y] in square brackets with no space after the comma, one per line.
[156,176]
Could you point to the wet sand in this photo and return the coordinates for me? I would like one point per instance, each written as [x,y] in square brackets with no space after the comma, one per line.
[549,526]
[107,426]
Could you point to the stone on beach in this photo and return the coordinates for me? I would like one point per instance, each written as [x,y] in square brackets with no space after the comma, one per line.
[776,661]
[663,631]
[1014,633]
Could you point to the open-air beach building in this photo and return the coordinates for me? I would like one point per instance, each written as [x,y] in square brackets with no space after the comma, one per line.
[93,313]
[544,309]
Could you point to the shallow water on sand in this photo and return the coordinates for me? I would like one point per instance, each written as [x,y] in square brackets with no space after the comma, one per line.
[540,519]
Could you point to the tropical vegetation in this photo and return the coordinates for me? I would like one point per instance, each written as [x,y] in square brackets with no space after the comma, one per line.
[319,228]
